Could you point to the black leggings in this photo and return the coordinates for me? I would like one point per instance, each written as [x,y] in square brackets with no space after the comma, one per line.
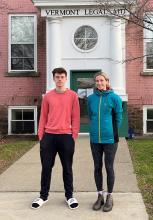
[50,145]
[109,151]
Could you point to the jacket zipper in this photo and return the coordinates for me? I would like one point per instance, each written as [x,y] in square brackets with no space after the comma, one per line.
[99,119]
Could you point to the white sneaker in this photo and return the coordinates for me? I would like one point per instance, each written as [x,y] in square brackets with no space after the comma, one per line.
[72,203]
[38,202]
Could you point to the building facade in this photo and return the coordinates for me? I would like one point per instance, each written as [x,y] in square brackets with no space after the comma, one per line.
[82,37]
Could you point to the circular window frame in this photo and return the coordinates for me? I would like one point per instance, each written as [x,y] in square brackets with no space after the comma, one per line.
[81,50]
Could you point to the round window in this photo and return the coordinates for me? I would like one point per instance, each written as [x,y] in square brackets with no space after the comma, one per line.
[85,38]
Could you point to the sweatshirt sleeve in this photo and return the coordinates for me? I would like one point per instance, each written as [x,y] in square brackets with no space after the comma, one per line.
[43,117]
[118,111]
[75,117]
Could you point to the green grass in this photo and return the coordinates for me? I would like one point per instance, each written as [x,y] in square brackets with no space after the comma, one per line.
[142,157]
[13,149]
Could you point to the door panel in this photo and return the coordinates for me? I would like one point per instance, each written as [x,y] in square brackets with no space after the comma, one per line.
[83,83]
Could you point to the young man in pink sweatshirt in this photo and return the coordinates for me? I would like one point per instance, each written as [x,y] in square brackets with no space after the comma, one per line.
[58,129]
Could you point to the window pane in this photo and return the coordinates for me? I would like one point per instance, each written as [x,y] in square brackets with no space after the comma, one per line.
[149,126]
[149,46]
[80,43]
[80,33]
[22,127]
[148,34]
[16,50]
[29,50]
[16,64]
[85,83]
[148,17]
[90,43]
[16,114]
[16,127]
[28,114]
[28,64]
[22,29]
[149,113]
[84,89]
[149,61]
[28,127]
[22,50]
[91,33]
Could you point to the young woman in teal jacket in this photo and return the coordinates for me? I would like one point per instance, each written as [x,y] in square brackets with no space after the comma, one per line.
[105,113]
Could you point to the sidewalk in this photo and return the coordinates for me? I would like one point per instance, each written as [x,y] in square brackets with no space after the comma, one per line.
[20,184]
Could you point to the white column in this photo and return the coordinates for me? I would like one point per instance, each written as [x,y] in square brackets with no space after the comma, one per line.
[53,48]
[117,79]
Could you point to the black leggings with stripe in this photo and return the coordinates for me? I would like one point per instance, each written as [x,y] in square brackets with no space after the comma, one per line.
[109,151]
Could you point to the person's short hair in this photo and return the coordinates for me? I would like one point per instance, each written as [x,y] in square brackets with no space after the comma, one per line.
[59,70]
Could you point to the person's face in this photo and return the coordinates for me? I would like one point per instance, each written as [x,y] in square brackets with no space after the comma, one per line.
[100,82]
[60,79]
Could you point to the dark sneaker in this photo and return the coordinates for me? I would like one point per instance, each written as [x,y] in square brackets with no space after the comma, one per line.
[109,203]
[98,204]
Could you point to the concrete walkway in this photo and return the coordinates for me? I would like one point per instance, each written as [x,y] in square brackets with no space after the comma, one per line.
[20,184]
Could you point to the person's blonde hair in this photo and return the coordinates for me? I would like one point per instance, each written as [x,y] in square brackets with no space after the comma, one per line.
[106,78]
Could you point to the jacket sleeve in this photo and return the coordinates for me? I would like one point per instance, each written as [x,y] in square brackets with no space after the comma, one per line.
[43,117]
[118,111]
[75,117]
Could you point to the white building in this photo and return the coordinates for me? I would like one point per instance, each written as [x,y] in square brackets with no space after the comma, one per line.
[84,38]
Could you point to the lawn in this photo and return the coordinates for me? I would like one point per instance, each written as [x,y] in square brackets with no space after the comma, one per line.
[12,149]
[142,156]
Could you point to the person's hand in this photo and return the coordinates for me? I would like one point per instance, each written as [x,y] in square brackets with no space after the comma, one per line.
[39,138]
[73,138]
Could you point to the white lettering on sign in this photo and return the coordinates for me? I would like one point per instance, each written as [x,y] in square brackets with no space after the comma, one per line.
[82,12]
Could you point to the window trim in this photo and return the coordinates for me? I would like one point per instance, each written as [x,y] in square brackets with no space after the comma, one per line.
[35,43]
[145,108]
[10,108]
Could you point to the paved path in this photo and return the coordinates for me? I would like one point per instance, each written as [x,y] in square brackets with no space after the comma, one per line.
[19,185]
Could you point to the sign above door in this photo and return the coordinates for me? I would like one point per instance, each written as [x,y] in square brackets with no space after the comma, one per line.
[77,12]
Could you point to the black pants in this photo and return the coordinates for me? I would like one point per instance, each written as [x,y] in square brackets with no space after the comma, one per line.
[50,145]
[109,151]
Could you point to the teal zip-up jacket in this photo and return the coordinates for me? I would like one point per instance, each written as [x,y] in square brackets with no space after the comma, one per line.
[101,104]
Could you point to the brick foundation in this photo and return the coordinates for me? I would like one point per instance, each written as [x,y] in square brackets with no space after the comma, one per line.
[3,119]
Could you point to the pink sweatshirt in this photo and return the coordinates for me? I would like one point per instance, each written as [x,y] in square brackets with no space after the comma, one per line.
[60,114]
